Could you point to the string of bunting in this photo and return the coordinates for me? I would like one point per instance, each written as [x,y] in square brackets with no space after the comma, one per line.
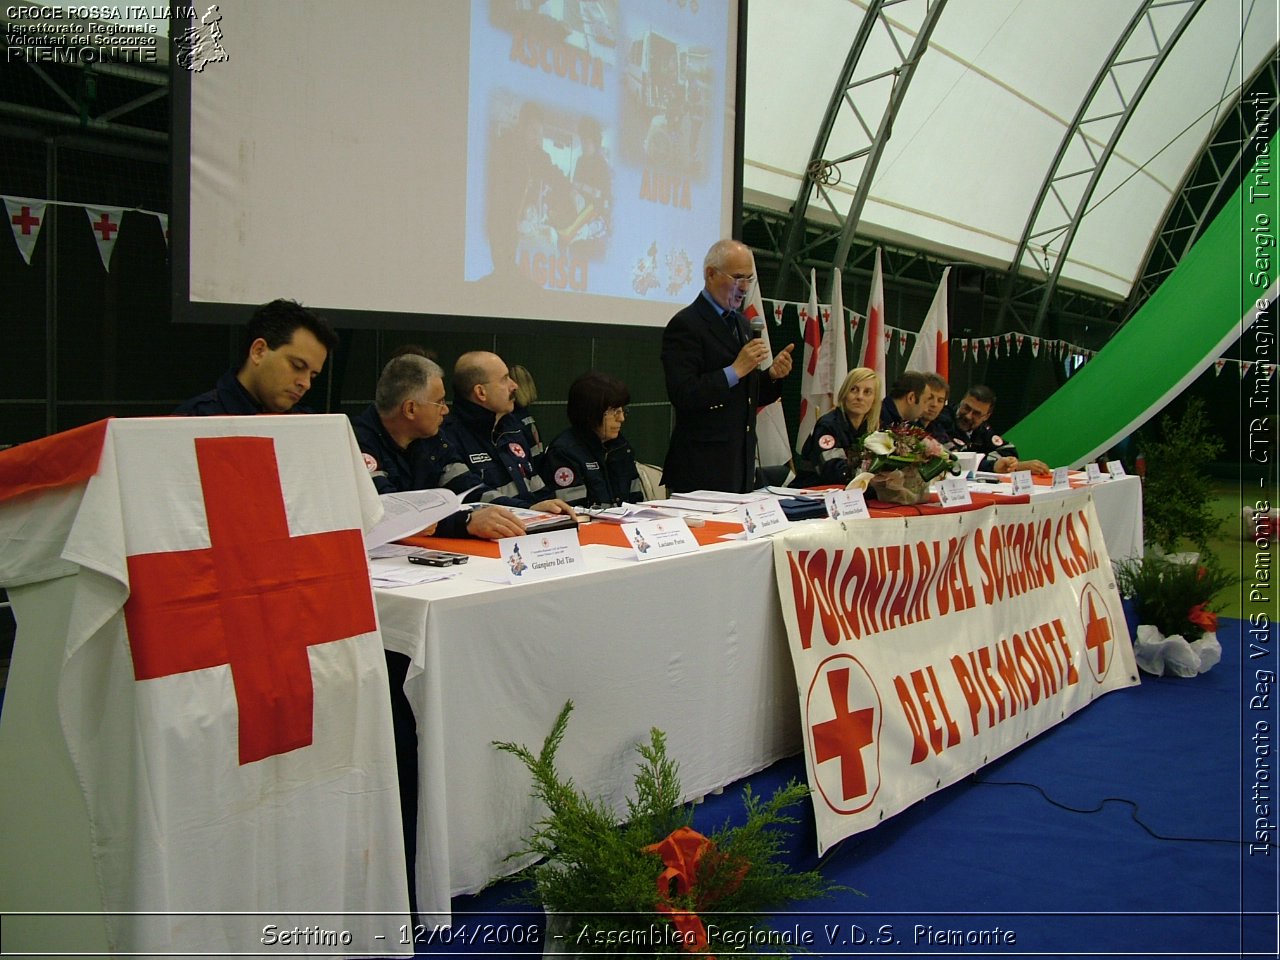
[26,216]
[1007,344]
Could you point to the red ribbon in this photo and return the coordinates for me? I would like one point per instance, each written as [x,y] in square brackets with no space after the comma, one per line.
[685,852]
[1207,620]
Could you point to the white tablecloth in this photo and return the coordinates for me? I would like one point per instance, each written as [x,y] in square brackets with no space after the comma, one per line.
[694,645]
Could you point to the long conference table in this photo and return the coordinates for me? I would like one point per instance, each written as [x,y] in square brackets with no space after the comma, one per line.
[694,645]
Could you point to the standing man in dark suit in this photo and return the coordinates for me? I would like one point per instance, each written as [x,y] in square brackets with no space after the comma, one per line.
[713,378]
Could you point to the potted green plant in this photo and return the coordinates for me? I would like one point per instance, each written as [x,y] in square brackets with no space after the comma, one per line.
[1177,619]
[654,885]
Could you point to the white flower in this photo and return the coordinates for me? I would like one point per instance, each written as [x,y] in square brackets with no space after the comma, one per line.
[879,443]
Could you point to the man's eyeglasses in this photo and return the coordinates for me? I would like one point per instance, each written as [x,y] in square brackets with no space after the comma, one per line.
[744,282]
[616,412]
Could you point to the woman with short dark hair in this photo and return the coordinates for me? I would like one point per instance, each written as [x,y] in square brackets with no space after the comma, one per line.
[591,463]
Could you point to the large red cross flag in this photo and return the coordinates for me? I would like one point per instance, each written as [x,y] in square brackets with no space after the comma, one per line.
[223,689]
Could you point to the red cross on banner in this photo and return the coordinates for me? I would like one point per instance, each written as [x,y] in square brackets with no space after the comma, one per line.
[1097,632]
[26,217]
[105,222]
[844,737]
[255,599]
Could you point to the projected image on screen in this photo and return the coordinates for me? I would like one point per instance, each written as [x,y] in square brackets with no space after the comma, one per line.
[565,160]
[591,165]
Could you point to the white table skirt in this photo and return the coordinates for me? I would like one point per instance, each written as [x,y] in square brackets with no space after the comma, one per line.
[694,645]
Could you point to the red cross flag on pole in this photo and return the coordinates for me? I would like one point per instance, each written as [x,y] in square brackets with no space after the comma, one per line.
[105,222]
[26,217]
[811,395]
[930,354]
[221,689]
[873,338]
[771,424]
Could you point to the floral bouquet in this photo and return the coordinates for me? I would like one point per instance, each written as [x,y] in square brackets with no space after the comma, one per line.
[902,460]
[1177,625]
[654,885]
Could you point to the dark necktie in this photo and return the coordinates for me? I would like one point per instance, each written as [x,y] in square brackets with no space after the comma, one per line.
[735,330]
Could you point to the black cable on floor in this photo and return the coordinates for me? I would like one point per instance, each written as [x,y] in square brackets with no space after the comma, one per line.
[1133,813]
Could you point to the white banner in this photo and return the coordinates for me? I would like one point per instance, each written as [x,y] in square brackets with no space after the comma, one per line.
[927,647]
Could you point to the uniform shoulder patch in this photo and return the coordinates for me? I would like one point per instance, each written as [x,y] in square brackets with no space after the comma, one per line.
[371,462]
[826,441]
[564,477]
[517,449]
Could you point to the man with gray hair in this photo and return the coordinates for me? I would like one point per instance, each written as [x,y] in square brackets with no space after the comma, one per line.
[714,381]
[408,407]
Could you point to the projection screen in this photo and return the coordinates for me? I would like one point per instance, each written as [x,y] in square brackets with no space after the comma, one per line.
[401,163]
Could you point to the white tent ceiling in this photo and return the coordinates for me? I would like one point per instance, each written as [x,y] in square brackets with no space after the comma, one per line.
[986,111]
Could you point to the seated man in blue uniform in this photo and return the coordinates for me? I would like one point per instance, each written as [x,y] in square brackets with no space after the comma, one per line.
[408,407]
[285,348]
[905,401]
[967,424]
[591,463]
[481,451]
[936,391]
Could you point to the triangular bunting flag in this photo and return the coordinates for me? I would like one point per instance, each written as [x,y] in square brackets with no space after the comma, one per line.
[26,217]
[854,320]
[1217,367]
[1035,346]
[902,342]
[986,348]
[164,226]
[1245,366]
[1266,370]
[964,349]
[105,222]
[1019,338]
[777,312]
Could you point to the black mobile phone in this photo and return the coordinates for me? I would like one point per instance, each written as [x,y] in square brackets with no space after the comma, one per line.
[438,558]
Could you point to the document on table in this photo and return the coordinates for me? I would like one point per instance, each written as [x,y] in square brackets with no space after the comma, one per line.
[407,513]
[398,572]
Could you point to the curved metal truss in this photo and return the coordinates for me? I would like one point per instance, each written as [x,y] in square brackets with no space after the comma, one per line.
[1077,167]
[1208,180]
[861,91]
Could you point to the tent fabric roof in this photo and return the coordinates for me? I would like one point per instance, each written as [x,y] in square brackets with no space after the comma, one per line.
[987,109]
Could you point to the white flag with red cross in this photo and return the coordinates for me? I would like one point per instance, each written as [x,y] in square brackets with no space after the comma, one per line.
[26,217]
[812,398]
[105,222]
[874,339]
[223,692]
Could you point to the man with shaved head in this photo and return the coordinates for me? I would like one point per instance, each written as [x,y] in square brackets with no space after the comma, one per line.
[481,453]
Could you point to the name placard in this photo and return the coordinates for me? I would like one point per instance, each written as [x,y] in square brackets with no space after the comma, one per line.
[761,518]
[1116,469]
[659,538]
[846,505]
[1061,479]
[1022,482]
[541,556]
[1093,473]
[954,492]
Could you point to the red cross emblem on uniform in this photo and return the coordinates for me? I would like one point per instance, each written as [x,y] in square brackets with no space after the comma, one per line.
[255,599]
[842,714]
[516,449]
[1097,631]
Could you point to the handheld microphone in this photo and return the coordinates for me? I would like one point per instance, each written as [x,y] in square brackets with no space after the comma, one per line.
[757,327]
